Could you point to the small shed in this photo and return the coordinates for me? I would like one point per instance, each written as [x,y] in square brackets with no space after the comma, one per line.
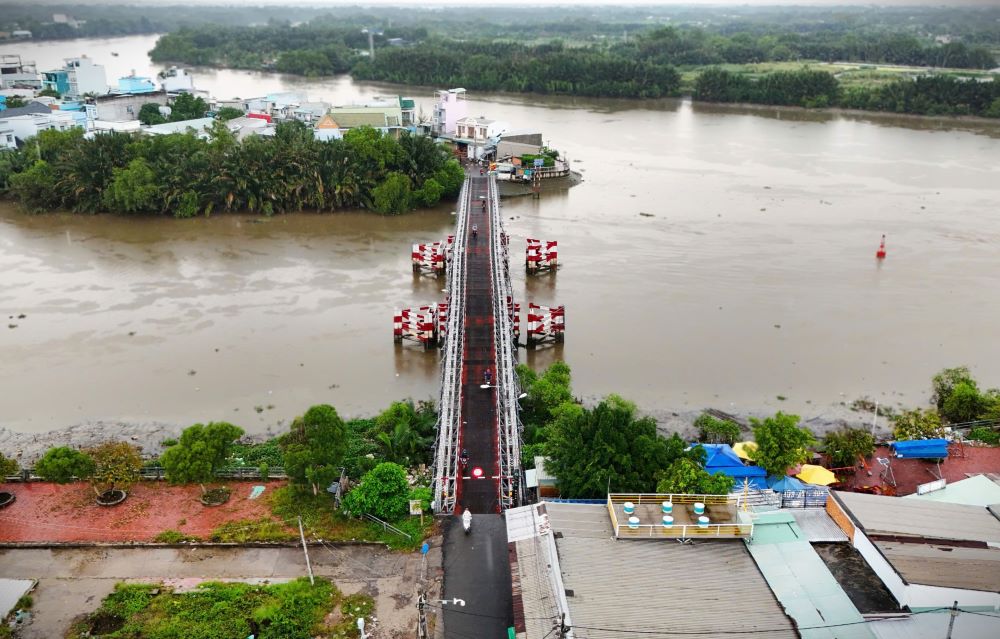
[546,483]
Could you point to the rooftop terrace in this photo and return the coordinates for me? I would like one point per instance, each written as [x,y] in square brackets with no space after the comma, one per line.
[645,516]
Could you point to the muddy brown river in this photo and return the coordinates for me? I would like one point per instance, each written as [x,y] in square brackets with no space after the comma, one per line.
[711,257]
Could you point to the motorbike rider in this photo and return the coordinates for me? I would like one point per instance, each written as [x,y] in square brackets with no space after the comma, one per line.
[488,376]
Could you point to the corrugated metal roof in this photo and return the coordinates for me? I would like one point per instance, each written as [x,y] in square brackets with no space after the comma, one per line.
[921,518]
[816,524]
[933,565]
[979,490]
[540,602]
[802,582]
[935,626]
[658,586]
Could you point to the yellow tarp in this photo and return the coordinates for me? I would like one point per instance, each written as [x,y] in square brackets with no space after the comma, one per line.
[818,475]
[741,448]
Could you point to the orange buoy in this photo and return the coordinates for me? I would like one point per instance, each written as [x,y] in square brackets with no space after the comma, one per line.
[880,253]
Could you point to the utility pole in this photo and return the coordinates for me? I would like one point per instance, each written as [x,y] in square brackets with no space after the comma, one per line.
[422,617]
[951,622]
[563,628]
[302,536]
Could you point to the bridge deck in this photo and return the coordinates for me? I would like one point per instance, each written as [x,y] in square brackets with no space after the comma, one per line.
[479,419]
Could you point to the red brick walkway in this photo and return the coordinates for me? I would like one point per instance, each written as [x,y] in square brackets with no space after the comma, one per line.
[911,472]
[51,512]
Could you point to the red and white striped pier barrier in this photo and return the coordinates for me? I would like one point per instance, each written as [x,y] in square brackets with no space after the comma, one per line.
[430,258]
[546,323]
[417,325]
[541,256]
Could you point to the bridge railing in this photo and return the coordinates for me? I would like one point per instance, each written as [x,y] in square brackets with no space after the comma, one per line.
[508,387]
[450,401]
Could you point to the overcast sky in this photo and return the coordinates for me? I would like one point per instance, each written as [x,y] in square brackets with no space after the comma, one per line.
[549,3]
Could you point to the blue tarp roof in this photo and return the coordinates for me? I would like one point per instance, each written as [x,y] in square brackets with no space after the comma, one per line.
[786,483]
[720,458]
[921,449]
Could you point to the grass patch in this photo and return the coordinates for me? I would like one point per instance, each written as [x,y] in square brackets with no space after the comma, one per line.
[352,608]
[244,531]
[171,536]
[322,520]
[293,610]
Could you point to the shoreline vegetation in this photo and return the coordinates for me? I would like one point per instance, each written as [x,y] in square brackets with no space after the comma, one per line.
[768,64]
[184,175]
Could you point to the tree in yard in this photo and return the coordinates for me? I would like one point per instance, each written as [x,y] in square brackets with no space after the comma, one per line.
[592,451]
[116,466]
[716,431]
[201,451]
[917,424]
[15,102]
[314,448]
[845,446]
[8,466]
[383,492]
[187,107]
[149,113]
[781,443]
[228,113]
[62,463]
[686,476]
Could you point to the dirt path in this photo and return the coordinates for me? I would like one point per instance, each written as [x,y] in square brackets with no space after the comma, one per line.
[73,581]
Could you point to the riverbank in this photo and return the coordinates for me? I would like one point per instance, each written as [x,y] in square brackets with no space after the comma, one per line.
[149,436]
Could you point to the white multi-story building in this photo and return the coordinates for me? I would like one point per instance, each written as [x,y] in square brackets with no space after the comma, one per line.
[16,72]
[28,126]
[7,137]
[175,80]
[79,76]
[448,110]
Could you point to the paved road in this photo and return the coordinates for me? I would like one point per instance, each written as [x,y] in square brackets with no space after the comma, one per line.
[479,433]
[477,571]
[72,582]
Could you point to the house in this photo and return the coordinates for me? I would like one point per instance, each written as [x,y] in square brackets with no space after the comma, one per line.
[29,125]
[407,108]
[199,126]
[135,84]
[78,76]
[928,553]
[125,107]
[243,127]
[450,106]
[175,80]
[566,566]
[478,129]
[28,109]
[381,113]
[7,139]
[327,129]
[15,72]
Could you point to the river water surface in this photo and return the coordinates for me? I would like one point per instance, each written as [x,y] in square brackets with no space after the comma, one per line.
[711,257]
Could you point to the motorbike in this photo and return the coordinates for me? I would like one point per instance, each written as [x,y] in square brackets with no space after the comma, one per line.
[464,459]
[467,522]
[488,376]
[475,231]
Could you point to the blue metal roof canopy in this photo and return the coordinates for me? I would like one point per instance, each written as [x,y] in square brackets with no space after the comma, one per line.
[921,449]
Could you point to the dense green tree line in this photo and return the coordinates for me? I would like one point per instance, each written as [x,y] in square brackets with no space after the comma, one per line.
[548,68]
[930,95]
[184,175]
[702,47]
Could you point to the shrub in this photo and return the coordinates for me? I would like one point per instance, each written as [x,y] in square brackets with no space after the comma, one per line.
[61,464]
[917,424]
[846,445]
[716,431]
[8,466]
[172,536]
[248,530]
[383,493]
[986,435]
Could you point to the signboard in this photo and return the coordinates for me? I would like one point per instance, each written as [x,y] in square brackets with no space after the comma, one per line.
[527,173]
[539,163]
[415,507]
[931,486]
